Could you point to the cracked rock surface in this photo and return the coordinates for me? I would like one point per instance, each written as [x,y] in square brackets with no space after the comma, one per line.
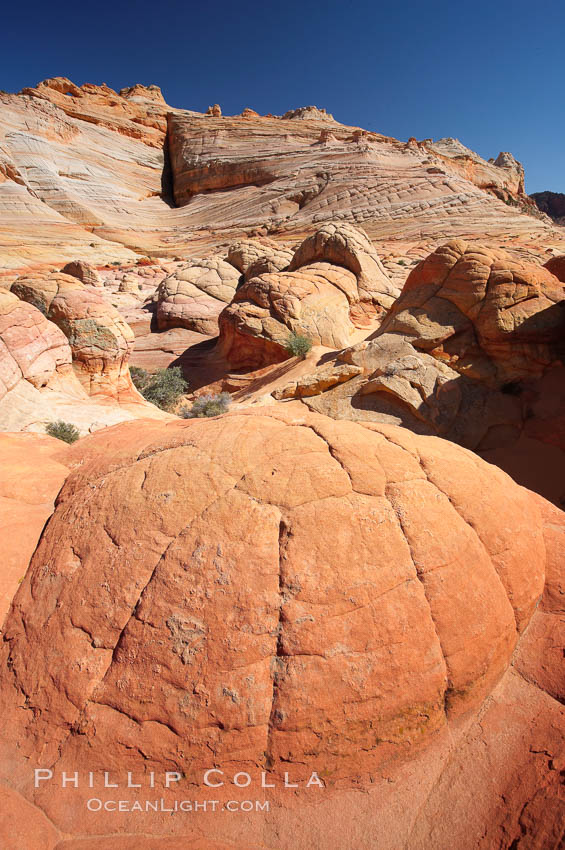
[274,590]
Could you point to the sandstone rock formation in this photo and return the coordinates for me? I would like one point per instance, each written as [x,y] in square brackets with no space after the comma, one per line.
[276,591]
[288,176]
[84,272]
[253,257]
[294,565]
[491,317]
[40,289]
[503,176]
[312,302]
[347,246]
[195,294]
[335,283]
[557,267]
[100,340]
[137,111]
[472,350]
[33,470]
[32,350]
[78,162]
[38,383]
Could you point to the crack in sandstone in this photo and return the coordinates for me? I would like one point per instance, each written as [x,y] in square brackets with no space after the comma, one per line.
[449,681]
[277,663]
[274,719]
[133,615]
[475,534]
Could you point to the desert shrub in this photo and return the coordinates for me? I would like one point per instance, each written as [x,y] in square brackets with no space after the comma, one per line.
[65,431]
[298,345]
[207,405]
[162,388]
[402,262]
[140,377]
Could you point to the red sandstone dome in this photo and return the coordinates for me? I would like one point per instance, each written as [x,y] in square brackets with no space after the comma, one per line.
[291,567]
[275,591]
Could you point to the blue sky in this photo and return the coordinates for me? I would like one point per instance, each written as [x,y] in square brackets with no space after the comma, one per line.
[488,73]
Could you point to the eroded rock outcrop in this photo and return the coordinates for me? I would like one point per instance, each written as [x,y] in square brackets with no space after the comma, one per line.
[195,294]
[84,272]
[83,175]
[344,245]
[32,349]
[492,317]
[252,257]
[311,565]
[557,267]
[503,176]
[312,302]
[100,340]
[334,285]
[472,350]
[39,379]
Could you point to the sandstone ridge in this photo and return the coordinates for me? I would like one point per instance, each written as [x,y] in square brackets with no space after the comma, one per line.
[77,161]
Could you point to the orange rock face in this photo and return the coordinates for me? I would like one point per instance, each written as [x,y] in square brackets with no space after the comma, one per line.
[33,470]
[138,111]
[80,376]
[366,611]
[83,175]
[557,267]
[347,246]
[329,614]
[495,318]
[84,272]
[258,256]
[309,595]
[472,350]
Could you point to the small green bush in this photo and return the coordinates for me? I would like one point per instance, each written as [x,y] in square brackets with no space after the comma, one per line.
[162,388]
[207,405]
[402,262]
[297,345]
[63,431]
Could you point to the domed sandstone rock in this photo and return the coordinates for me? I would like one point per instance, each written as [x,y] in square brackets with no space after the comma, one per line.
[472,350]
[84,272]
[308,596]
[100,340]
[344,245]
[247,254]
[32,349]
[498,319]
[335,284]
[193,296]
[292,566]
[557,267]
[46,376]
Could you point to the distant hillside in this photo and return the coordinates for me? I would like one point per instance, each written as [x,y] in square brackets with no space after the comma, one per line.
[551,203]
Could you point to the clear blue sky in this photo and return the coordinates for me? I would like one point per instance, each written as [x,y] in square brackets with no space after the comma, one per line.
[489,73]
